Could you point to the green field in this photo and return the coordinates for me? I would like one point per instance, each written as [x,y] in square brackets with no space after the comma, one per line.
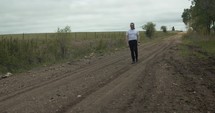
[20,52]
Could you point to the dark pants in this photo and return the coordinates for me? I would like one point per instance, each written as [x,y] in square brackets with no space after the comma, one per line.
[134,50]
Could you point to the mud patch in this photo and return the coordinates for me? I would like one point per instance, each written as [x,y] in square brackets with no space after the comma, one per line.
[197,79]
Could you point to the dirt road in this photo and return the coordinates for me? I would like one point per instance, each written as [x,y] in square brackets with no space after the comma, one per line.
[161,82]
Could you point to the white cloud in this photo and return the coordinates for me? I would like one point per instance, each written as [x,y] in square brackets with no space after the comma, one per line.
[18,16]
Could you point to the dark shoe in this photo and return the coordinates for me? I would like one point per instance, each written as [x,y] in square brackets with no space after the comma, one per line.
[133,62]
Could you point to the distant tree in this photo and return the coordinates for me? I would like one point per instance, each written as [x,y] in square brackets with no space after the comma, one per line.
[62,39]
[164,29]
[150,29]
[173,28]
[66,29]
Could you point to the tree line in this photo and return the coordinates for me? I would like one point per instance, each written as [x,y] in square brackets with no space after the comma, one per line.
[150,29]
[200,17]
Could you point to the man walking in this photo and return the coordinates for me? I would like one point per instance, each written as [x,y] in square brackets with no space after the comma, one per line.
[132,37]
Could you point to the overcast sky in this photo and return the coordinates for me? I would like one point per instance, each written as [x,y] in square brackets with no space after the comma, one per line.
[38,16]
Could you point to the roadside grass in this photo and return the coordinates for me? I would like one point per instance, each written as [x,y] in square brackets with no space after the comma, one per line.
[199,46]
[22,52]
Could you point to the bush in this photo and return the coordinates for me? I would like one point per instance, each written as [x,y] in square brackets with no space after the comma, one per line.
[164,29]
[150,29]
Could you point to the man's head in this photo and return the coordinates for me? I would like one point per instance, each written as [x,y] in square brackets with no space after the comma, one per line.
[132,26]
